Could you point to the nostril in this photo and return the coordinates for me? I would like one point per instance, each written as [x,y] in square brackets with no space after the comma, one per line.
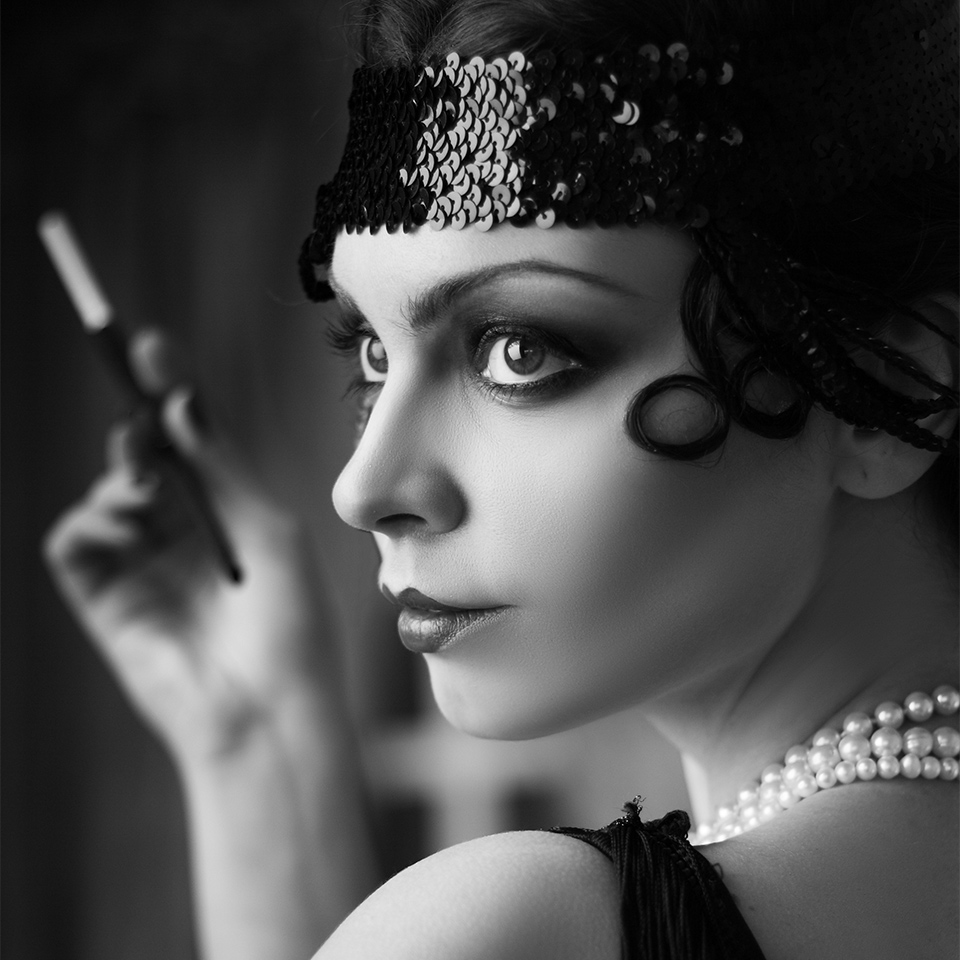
[398,523]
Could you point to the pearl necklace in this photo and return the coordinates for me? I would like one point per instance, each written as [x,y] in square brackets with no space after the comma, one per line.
[865,748]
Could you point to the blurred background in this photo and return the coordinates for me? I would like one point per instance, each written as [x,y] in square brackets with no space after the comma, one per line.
[186,138]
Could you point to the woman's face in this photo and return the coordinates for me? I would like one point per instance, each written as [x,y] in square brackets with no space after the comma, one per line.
[495,473]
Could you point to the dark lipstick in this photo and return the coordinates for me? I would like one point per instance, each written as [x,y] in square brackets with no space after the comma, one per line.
[425,625]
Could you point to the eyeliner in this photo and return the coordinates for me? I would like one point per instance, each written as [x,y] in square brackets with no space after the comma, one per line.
[100,323]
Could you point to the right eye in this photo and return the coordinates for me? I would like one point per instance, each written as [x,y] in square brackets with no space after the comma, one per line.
[373,360]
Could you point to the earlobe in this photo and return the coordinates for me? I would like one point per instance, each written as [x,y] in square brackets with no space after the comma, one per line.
[877,465]
[872,464]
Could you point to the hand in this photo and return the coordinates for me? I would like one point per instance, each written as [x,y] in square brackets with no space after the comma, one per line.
[202,659]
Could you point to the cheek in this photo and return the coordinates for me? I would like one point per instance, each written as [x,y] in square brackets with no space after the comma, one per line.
[632,572]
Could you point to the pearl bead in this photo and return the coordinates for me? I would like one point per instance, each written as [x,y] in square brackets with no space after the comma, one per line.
[946,742]
[792,772]
[806,786]
[751,810]
[826,777]
[857,723]
[725,812]
[854,747]
[888,767]
[949,768]
[946,699]
[769,790]
[748,793]
[886,741]
[787,799]
[771,772]
[826,755]
[910,766]
[917,741]
[889,714]
[794,754]
[866,768]
[768,811]
[846,771]
[826,737]
[930,768]
[918,706]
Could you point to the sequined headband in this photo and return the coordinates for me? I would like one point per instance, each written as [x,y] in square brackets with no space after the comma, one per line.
[669,134]
[700,138]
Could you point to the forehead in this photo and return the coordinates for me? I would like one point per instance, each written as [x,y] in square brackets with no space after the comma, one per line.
[374,269]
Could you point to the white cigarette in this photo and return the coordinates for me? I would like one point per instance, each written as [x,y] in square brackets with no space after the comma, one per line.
[94,308]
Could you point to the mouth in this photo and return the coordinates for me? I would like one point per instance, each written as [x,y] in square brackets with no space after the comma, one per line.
[426,625]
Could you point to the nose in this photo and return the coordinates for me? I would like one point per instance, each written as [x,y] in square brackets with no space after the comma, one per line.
[398,481]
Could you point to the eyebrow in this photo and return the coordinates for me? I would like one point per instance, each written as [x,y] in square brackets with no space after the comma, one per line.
[427,308]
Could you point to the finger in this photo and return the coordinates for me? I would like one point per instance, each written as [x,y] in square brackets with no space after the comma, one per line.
[152,507]
[87,547]
[120,490]
[118,455]
[132,446]
[80,526]
[185,423]
[118,528]
[156,361]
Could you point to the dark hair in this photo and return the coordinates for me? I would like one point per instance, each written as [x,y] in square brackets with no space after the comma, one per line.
[899,239]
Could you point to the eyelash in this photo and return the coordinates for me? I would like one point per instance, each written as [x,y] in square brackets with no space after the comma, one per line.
[346,334]
[529,390]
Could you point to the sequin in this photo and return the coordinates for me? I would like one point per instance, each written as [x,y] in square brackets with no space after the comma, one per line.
[733,136]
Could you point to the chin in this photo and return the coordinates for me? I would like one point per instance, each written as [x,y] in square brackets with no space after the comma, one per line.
[498,713]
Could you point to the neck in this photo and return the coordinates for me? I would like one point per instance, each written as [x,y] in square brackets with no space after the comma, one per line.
[879,622]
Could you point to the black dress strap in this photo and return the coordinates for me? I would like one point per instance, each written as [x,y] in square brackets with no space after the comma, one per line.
[673,904]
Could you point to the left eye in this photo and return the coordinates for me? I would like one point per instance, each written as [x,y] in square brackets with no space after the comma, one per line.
[373,360]
[516,358]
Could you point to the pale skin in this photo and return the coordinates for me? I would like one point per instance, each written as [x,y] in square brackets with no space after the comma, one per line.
[743,604]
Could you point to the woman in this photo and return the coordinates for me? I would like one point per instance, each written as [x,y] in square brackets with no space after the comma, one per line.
[690,446]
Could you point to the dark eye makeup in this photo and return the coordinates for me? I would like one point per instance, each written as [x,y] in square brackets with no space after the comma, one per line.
[346,335]
[510,360]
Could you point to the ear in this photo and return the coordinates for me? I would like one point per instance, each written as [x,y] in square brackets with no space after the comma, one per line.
[871,463]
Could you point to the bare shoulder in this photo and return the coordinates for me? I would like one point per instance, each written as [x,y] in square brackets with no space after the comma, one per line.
[870,870]
[514,895]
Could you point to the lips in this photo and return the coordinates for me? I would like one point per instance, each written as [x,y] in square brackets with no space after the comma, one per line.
[426,625]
